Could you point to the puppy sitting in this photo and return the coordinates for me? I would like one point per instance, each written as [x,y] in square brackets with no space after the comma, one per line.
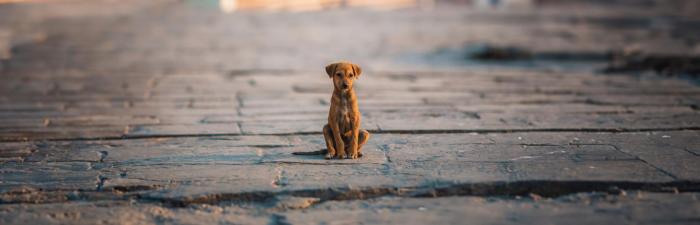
[343,135]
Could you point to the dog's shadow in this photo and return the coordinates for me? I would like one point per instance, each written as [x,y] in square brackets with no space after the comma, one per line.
[321,153]
[316,157]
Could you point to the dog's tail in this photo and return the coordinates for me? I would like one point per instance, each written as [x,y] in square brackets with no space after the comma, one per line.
[319,152]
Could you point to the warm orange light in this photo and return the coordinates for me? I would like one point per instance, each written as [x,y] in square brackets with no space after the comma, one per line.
[307,5]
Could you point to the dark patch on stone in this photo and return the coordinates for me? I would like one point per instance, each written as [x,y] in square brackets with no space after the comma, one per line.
[134,188]
[474,115]
[278,219]
[544,188]
[100,182]
[667,65]
[511,53]
[493,53]
[103,155]
[617,61]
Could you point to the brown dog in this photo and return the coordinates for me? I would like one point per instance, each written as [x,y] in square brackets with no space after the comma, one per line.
[343,135]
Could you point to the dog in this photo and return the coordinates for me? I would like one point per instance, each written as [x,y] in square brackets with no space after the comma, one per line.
[343,135]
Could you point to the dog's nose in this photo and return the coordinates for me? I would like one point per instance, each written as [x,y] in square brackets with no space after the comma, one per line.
[345,85]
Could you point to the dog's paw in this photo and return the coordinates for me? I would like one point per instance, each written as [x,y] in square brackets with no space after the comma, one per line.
[341,155]
[329,156]
[354,155]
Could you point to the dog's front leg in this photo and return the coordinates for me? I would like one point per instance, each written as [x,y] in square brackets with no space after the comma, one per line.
[330,141]
[353,152]
[339,143]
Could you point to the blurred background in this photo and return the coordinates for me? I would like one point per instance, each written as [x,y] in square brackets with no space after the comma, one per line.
[73,36]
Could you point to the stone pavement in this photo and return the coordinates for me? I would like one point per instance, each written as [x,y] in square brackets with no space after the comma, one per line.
[172,112]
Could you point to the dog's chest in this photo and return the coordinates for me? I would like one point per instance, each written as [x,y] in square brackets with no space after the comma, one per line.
[344,116]
[344,107]
[344,112]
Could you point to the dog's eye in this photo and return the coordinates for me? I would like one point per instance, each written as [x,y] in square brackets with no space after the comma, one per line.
[350,75]
[337,74]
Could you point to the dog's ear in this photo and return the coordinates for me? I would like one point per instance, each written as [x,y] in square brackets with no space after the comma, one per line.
[357,70]
[330,69]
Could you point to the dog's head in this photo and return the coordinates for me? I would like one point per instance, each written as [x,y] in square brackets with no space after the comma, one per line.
[343,74]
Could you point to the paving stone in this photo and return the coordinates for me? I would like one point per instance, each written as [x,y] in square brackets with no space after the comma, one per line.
[107,212]
[602,209]
[49,176]
[640,208]
[404,160]
[158,130]
[673,160]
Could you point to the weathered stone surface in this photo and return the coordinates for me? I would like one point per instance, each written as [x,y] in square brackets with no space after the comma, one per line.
[50,176]
[170,112]
[108,212]
[182,167]
[468,102]
[633,208]
[636,208]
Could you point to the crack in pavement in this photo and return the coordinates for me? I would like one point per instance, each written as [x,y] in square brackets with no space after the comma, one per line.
[645,162]
[100,182]
[426,131]
[544,188]
[691,152]
[278,219]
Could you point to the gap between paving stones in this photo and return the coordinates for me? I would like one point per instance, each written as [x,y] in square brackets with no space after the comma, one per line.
[542,188]
[446,131]
[529,188]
